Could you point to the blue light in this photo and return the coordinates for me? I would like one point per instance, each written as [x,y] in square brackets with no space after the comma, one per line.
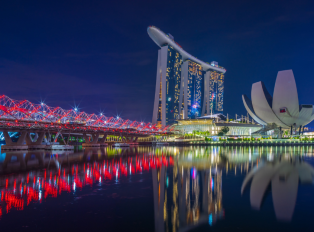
[210,220]
[193,172]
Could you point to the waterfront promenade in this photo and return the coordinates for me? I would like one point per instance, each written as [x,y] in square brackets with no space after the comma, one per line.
[269,142]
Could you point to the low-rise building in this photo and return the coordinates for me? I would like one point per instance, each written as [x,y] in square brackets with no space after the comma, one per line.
[213,126]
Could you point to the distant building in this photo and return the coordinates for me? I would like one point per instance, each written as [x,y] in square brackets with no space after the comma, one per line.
[186,87]
[214,125]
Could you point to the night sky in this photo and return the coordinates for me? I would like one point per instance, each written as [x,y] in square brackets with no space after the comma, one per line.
[98,55]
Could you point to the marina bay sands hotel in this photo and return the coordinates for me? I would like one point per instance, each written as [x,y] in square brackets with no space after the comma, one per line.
[186,87]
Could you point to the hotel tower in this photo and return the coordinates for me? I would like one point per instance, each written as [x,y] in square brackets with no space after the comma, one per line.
[186,87]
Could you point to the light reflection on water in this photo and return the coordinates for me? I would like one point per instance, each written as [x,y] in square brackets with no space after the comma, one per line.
[186,185]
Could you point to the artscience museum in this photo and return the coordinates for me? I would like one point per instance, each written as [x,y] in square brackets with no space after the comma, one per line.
[282,108]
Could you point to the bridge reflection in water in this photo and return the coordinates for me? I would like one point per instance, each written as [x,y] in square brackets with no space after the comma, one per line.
[187,181]
[36,175]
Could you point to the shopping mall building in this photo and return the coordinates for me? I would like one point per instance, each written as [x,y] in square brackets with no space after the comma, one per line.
[213,124]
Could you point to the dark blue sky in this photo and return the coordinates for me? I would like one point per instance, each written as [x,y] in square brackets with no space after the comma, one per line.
[99,55]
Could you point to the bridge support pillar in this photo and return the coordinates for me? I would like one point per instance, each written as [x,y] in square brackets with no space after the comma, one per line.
[102,141]
[56,146]
[131,139]
[37,144]
[57,136]
[18,145]
[93,143]
[123,139]
[47,138]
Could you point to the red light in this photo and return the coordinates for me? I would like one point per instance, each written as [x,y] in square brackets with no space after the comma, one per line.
[89,121]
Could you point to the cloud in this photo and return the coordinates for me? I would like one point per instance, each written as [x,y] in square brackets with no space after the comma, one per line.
[22,77]
[144,62]
[136,58]
[139,58]
[290,15]
[275,21]
[78,55]
[244,34]
[21,82]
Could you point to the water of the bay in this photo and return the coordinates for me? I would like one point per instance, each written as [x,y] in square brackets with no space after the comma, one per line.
[144,188]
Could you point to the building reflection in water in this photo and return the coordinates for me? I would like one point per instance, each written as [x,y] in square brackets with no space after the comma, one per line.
[283,173]
[196,194]
[185,196]
[195,197]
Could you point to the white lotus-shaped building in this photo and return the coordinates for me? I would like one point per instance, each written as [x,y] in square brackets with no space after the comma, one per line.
[283,108]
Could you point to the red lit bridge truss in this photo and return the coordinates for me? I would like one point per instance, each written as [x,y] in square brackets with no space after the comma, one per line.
[24,115]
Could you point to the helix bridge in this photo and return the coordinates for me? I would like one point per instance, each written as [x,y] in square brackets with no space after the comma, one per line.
[19,115]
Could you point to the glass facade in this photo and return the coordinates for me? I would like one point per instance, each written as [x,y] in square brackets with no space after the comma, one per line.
[173,83]
[220,92]
[216,91]
[182,83]
[159,115]
[195,90]
[180,89]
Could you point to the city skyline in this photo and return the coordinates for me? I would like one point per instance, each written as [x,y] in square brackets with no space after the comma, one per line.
[162,116]
[93,57]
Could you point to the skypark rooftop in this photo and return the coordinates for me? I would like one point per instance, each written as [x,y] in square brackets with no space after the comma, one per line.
[161,39]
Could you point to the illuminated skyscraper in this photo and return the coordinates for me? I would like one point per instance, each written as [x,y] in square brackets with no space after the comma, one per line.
[215,91]
[186,87]
[193,100]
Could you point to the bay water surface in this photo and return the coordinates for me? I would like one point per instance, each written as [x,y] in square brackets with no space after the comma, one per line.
[144,188]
